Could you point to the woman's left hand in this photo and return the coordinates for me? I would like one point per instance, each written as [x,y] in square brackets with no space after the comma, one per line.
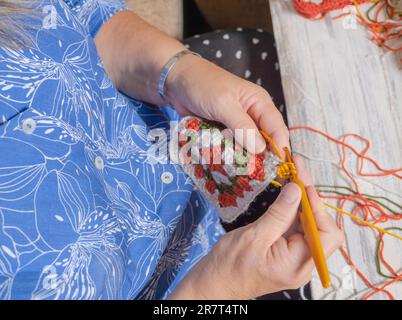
[198,87]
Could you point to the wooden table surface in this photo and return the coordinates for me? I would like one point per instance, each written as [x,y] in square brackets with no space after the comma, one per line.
[336,80]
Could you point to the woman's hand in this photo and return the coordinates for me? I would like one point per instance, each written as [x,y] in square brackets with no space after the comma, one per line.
[258,259]
[134,61]
[198,87]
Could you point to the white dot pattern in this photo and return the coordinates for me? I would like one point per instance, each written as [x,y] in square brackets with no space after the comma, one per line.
[250,54]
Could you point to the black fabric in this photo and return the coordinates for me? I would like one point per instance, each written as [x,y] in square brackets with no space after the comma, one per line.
[250,54]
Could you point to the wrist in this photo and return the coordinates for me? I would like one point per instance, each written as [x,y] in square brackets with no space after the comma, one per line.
[179,78]
[198,284]
[167,69]
[208,280]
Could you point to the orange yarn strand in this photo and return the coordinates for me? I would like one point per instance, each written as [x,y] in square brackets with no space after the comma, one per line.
[383,18]
[366,212]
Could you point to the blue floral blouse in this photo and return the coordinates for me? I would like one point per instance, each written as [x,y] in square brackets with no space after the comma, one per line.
[84,214]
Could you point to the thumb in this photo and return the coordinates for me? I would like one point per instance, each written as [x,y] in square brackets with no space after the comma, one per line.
[281,214]
[244,128]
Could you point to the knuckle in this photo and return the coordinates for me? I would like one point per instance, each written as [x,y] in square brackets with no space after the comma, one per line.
[264,94]
[241,123]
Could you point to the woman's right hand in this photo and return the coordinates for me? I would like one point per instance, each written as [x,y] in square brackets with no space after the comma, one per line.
[258,259]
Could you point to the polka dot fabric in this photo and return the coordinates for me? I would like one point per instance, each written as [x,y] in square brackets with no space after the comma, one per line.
[250,54]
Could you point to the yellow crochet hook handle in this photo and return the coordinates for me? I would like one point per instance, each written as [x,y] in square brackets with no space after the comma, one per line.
[311,232]
[307,219]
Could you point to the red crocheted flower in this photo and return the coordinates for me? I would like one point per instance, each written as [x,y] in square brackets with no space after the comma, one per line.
[210,185]
[238,191]
[193,124]
[206,155]
[256,167]
[243,182]
[227,200]
[182,140]
[211,155]
[218,168]
[185,156]
[216,154]
[199,171]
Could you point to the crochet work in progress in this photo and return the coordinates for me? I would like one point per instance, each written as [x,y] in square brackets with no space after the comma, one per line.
[383,18]
[222,170]
[231,179]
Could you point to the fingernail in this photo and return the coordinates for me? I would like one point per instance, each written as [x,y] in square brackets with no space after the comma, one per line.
[260,144]
[255,144]
[290,193]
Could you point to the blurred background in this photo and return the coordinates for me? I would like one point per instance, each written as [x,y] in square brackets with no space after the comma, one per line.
[184,18]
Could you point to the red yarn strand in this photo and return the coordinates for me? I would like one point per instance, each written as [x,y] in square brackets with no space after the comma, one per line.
[363,207]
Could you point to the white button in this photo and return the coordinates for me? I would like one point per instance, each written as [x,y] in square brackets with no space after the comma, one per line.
[167,177]
[99,164]
[29,125]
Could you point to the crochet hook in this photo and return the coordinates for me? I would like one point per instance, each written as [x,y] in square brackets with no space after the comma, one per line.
[310,230]
[306,216]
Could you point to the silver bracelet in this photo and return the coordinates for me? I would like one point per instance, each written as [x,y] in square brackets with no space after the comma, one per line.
[169,66]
